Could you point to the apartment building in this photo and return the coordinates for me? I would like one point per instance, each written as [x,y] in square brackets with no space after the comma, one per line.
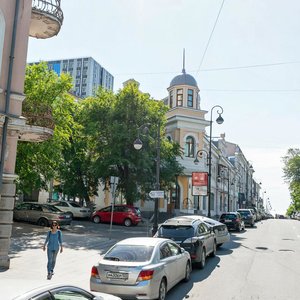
[88,75]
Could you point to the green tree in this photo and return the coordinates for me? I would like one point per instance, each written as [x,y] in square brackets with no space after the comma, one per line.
[111,124]
[47,104]
[292,176]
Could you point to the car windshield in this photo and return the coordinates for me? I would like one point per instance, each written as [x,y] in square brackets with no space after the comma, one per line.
[172,231]
[75,204]
[51,208]
[133,253]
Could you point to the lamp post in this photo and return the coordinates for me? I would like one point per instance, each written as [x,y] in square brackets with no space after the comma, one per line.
[138,144]
[219,120]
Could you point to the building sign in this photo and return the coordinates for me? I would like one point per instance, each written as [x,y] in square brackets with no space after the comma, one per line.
[199,183]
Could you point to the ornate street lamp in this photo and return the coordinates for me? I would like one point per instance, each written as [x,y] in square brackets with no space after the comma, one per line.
[219,120]
[138,144]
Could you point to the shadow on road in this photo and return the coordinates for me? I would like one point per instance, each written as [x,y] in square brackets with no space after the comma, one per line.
[182,290]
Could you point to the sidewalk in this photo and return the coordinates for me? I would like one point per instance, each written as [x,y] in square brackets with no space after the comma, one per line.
[73,266]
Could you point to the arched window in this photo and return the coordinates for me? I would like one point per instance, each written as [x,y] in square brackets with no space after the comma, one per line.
[2,32]
[189,149]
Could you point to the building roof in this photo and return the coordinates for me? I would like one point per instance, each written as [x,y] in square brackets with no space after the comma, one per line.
[184,79]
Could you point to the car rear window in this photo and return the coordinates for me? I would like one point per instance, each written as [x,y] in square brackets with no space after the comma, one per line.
[244,212]
[229,217]
[172,231]
[133,253]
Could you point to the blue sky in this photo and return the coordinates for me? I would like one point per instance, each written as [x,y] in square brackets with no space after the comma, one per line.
[248,62]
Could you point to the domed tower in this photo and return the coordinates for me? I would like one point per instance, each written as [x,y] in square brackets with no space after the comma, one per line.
[183,92]
[186,125]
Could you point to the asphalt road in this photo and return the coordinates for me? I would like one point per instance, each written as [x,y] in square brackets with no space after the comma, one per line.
[260,263]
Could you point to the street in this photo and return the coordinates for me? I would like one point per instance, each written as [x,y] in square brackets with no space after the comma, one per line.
[260,263]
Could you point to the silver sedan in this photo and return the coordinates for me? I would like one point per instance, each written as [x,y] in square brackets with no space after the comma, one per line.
[141,268]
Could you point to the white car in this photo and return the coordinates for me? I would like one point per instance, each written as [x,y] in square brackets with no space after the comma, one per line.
[73,208]
[35,290]
[141,268]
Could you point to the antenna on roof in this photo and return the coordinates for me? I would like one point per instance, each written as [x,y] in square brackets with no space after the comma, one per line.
[183,63]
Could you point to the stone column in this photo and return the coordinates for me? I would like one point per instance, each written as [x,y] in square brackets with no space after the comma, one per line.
[7,200]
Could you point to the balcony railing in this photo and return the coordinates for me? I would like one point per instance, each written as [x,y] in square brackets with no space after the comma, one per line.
[46,18]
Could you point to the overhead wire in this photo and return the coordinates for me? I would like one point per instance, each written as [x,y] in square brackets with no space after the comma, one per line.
[211,34]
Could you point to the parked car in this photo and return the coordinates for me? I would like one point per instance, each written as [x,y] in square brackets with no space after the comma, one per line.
[247,216]
[122,214]
[192,234]
[41,214]
[73,208]
[51,291]
[141,268]
[233,220]
[220,229]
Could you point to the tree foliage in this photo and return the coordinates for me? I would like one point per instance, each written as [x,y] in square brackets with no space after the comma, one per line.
[292,176]
[93,139]
[46,93]
[112,123]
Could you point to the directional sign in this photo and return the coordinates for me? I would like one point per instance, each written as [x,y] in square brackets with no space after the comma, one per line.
[156,194]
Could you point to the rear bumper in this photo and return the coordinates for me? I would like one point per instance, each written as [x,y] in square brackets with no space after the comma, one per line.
[143,290]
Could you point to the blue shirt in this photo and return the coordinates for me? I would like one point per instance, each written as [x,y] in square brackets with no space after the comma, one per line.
[54,240]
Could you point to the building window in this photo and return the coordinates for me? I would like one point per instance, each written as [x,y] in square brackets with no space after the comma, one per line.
[179,97]
[190,100]
[171,99]
[189,149]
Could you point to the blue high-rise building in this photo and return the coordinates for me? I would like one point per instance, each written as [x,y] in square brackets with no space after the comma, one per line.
[88,75]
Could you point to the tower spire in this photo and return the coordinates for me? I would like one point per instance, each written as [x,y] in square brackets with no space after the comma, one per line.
[183,61]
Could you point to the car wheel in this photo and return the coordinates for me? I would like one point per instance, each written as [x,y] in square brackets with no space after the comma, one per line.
[201,264]
[71,214]
[214,249]
[162,290]
[127,222]
[96,219]
[43,222]
[188,271]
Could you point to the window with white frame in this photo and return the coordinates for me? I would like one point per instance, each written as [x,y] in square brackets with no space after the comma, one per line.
[189,147]
[190,98]
[179,97]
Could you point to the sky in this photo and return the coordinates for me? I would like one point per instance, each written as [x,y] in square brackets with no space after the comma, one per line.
[244,55]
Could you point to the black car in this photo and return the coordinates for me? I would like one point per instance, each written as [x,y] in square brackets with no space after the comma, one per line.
[193,235]
[233,221]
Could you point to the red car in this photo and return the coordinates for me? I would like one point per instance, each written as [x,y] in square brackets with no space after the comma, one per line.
[122,214]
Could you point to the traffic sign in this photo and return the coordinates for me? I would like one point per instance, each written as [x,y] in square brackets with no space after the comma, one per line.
[157,194]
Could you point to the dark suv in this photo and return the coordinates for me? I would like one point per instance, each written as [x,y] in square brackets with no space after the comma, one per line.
[191,234]
[247,216]
[233,220]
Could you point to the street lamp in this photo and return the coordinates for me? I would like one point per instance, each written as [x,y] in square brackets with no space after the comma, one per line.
[138,144]
[219,120]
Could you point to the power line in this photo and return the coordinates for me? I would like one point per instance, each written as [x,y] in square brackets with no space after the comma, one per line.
[211,34]
[251,90]
[214,69]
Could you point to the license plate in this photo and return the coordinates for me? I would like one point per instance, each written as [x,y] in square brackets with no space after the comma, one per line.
[117,275]
[227,221]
